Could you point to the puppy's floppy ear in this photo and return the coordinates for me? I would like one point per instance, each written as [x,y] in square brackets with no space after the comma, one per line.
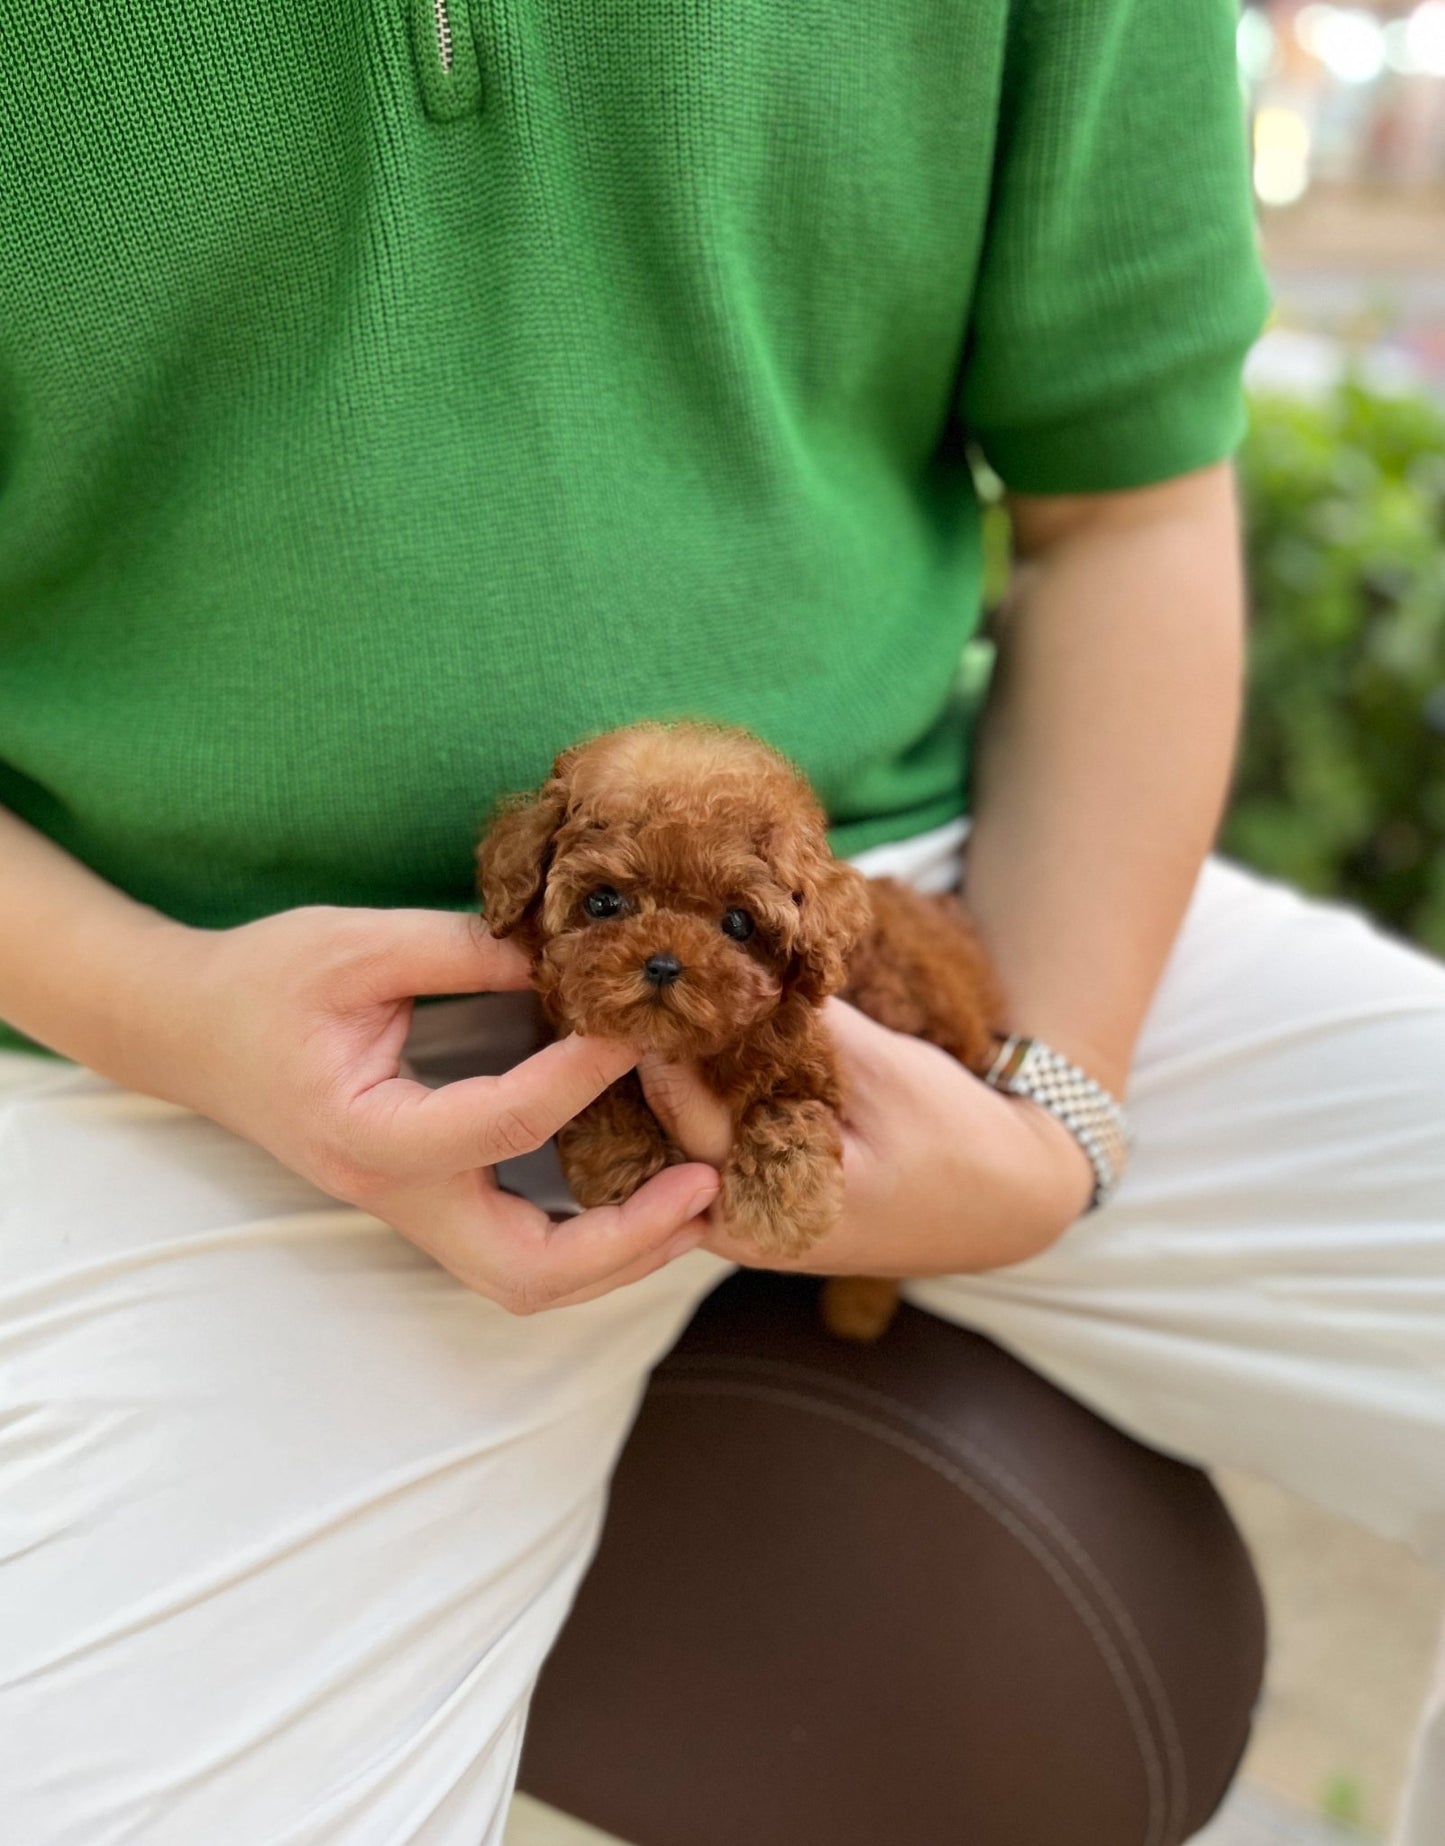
[833,912]
[515,853]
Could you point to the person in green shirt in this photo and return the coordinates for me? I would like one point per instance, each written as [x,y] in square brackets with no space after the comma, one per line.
[392,394]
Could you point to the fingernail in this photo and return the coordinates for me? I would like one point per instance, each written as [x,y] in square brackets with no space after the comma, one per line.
[703,1201]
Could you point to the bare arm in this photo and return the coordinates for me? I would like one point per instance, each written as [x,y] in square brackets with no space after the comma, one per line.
[1106,752]
[77,957]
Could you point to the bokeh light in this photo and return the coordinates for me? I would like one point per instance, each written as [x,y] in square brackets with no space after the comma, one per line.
[1281,155]
[1348,41]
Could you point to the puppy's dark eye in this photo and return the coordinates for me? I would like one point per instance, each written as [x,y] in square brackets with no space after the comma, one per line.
[604,902]
[737,924]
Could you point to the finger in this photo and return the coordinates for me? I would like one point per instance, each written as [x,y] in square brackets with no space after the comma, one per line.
[867,1055]
[831,1255]
[854,1034]
[688,1239]
[417,1133]
[697,1120]
[439,952]
[598,1250]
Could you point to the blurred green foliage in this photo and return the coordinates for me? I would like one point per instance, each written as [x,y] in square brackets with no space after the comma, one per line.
[1341,784]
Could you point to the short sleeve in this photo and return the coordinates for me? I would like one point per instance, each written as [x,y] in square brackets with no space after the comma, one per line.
[1120,284]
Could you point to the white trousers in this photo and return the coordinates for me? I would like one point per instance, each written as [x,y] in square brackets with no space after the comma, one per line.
[289,1520]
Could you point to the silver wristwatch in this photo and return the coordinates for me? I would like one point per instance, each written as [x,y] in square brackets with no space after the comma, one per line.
[1028,1067]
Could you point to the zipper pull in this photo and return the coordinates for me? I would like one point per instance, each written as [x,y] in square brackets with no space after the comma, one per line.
[446,58]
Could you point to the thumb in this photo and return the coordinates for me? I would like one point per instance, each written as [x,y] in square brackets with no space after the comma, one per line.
[438,952]
[697,1120]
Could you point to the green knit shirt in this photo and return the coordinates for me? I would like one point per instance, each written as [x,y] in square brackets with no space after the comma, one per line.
[393,391]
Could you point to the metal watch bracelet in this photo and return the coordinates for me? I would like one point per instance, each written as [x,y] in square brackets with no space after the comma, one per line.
[1028,1067]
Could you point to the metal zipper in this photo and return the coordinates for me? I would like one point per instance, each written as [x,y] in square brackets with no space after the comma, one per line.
[445,45]
[445,49]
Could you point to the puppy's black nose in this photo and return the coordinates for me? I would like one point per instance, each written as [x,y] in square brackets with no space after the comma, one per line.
[662,970]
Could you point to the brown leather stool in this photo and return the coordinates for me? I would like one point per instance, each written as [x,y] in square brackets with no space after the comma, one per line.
[908,1595]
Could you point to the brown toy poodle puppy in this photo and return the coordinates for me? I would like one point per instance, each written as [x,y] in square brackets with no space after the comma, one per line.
[674,888]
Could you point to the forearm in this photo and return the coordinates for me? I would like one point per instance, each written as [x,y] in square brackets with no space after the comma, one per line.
[1105,754]
[79,960]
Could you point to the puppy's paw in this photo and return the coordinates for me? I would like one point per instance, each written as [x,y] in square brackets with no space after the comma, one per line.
[613,1147]
[782,1188]
[595,1177]
[859,1308]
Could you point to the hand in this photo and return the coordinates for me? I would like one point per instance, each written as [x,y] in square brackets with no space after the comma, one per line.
[942,1175]
[290,1032]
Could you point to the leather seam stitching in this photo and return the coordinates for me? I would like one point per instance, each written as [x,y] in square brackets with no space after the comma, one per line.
[1063,1560]
[987,1464]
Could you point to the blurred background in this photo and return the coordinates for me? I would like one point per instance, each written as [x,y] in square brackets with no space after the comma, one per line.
[1348,130]
[1343,782]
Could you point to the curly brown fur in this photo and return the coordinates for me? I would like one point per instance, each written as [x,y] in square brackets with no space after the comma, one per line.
[614,1146]
[642,848]
[921,969]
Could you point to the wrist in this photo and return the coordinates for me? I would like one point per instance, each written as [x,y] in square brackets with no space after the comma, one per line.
[143,1033]
[1107,1058]
[1026,1179]
[1024,1176]
[1031,1069]
[1063,1172]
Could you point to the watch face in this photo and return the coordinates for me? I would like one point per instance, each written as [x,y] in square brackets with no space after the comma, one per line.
[1013,1053]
